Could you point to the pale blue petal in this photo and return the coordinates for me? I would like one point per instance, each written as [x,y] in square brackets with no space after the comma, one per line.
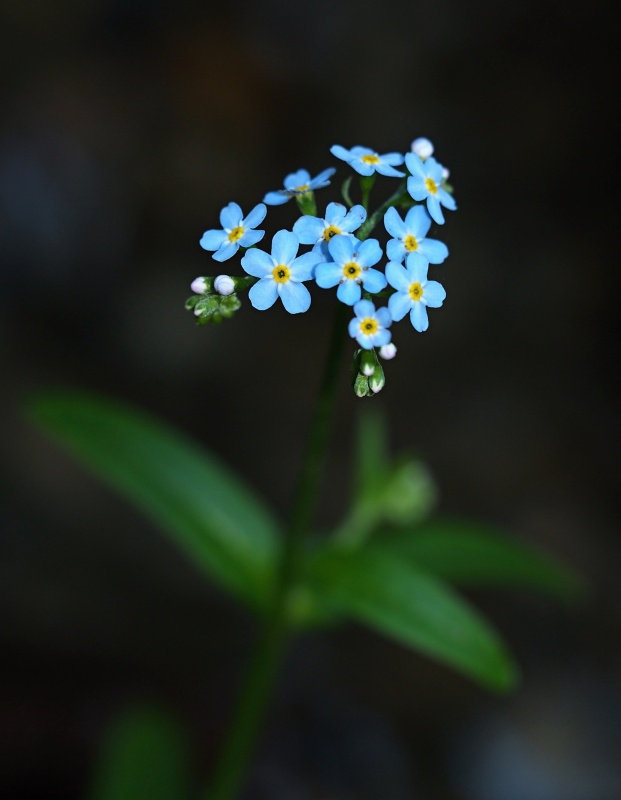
[388,171]
[295,179]
[309,229]
[417,188]
[383,317]
[364,340]
[397,276]
[276,198]
[231,216]
[349,292]
[380,338]
[434,251]
[285,246]
[373,280]
[418,317]
[447,199]
[295,297]
[354,218]
[394,159]
[263,294]
[257,263]
[328,275]
[362,168]
[227,250]
[394,224]
[395,250]
[212,240]
[418,222]
[433,206]
[335,213]
[251,237]
[434,294]
[369,253]
[322,179]
[354,327]
[434,170]
[342,248]
[399,304]
[340,152]
[417,267]
[359,151]
[256,216]
[303,267]
[415,166]
[364,308]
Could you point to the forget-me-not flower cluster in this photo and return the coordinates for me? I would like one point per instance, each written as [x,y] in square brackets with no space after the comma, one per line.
[382,284]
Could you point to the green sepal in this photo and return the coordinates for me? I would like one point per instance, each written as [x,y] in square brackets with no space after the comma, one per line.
[345,190]
[306,203]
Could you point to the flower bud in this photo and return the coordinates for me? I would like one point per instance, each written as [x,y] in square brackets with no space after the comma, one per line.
[422,147]
[377,380]
[224,285]
[361,385]
[201,285]
[368,362]
[388,351]
[445,173]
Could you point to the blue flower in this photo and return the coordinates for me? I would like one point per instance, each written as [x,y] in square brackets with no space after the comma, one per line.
[414,292]
[366,161]
[338,220]
[350,268]
[410,236]
[425,183]
[281,274]
[299,183]
[370,327]
[237,232]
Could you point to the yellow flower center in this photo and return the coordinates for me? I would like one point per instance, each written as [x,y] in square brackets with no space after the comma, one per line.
[416,291]
[236,234]
[351,270]
[330,232]
[431,185]
[410,243]
[369,326]
[281,273]
[372,159]
[302,189]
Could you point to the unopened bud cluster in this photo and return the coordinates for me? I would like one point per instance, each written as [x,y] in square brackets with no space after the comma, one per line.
[340,253]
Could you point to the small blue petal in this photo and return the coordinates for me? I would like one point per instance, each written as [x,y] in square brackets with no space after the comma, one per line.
[309,230]
[349,292]
[380,338]
[256,216]
[418,317]
[257,263]
[231,216]
[369,253]
[394,224]
[227,250]
[434,294]
[434,251]
[295,297]
[383,317]
[393,159]
[354,327]
[397,276]
[435,210]
[250,237]
[416,187]
[276,198]
[373,280]
[399,304]
[447,199]
[354,218]
[322,179]
[388,171]
[418,222]
[417,267]
[362,168]
[212,240]
[340,152]
[364,308]
[285,246]
[263,294]
[303,267]
[295,179]
[395,250]
[328,275]
[415,165]
[342,248]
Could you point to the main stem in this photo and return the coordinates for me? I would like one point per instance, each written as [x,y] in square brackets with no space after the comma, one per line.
[262,672]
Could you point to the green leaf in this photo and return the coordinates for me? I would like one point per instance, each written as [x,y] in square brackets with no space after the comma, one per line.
[144,754]
[186,491]
[471,554]
[373,586]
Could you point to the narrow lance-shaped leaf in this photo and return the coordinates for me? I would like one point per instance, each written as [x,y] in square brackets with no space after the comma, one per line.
[390,595]
[472,554]
[186,491]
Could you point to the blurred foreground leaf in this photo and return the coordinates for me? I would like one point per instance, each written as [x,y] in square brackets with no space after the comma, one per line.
[144,755]
[389,594]
[471,554]
[186,491]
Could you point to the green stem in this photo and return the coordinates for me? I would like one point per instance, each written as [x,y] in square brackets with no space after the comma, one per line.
[367,227]
[238,748]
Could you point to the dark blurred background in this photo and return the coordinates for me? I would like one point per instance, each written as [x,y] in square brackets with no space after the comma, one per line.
[126,125]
